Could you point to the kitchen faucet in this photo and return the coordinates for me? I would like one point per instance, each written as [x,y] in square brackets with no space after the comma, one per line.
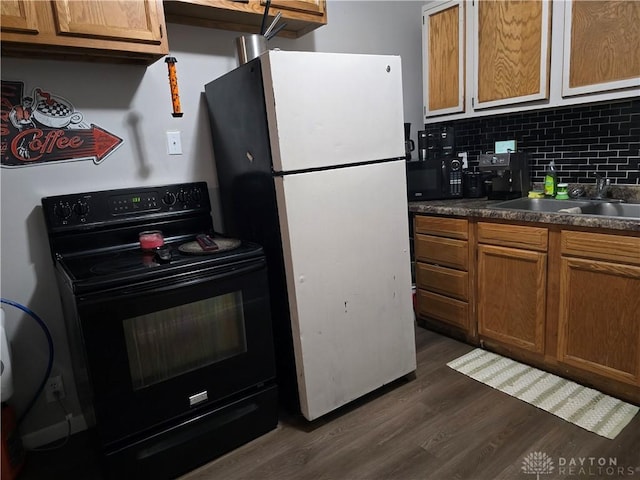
[601,185]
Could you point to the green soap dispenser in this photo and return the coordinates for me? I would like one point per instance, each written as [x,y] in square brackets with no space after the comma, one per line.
[551,180]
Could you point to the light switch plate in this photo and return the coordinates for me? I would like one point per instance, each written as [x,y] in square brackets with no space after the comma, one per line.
[174,143]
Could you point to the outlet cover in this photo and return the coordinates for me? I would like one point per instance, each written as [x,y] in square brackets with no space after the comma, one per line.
[174,143]
[463,158]
[54,384]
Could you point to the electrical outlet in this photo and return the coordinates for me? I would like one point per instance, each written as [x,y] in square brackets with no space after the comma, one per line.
[54,384]
[463,156]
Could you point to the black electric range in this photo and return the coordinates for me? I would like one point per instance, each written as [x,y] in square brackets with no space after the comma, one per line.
[171,344]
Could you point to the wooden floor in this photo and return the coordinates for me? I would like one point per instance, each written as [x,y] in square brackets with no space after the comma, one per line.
[439,424]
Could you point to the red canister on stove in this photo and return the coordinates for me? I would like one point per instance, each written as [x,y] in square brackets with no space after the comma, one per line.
[151,239]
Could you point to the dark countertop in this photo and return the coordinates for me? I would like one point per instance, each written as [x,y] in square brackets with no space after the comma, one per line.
[477,207]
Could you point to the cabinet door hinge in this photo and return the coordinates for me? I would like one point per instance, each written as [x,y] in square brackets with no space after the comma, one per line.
[161,32]
[472,102]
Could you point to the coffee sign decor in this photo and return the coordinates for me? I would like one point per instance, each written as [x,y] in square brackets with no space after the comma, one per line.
[41,128]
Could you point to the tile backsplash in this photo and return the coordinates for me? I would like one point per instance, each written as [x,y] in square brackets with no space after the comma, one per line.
[582,139]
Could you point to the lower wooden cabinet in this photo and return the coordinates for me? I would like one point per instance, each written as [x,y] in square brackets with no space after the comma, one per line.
[512,296]
[443,308]
[599,308]
[512,284]
[443,279]
[560,298]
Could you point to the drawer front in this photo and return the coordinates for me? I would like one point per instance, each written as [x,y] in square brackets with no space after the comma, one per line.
[516,236]
[443,308]
[442,251]
[445,281]
[442,226]
[602,246]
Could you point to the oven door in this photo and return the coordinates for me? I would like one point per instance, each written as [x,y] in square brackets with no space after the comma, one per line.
[161,351]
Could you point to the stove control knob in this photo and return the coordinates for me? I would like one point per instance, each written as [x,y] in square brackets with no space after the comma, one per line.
[62,210]
[196,195]
[81,208]
[169,198]
[183,197]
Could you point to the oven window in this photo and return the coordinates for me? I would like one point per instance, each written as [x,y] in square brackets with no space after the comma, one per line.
[168,343]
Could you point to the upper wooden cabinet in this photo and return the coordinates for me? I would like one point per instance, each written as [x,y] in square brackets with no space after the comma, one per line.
[129,21]
[126,31]
[601,46]
[512,55]
[316,7]
[19,16]
[443,52]
[301,16]
[486,57]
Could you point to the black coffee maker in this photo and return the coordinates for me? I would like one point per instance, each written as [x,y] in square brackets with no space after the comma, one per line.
[510,177]
[435,144]
[409,146]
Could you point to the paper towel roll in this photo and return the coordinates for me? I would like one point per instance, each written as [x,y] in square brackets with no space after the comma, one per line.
[6,375]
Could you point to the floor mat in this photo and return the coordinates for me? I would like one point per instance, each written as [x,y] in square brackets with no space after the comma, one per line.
[588,408]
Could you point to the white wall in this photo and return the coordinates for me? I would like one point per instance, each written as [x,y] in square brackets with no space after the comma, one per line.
[134,103]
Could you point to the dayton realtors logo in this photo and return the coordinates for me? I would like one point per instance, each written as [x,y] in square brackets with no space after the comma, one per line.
[539,463]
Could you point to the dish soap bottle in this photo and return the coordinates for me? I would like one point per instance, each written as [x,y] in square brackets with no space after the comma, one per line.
[551,181]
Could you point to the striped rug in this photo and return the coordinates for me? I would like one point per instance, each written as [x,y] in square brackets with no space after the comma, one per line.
[582,406]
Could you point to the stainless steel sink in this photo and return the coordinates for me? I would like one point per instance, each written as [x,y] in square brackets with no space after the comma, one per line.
[540,204]
[627,210]
[577,207]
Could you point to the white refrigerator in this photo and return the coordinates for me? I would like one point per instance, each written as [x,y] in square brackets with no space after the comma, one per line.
[309,150]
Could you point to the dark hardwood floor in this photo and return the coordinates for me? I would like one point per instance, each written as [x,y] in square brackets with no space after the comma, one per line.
[437,424]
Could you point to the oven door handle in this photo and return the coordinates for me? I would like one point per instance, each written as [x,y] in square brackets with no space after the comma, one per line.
[180,281]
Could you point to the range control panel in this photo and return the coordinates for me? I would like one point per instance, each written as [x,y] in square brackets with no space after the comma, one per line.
[124,205]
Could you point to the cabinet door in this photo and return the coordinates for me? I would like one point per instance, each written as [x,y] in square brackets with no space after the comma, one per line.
[443,58]
[601,46]
[19,16]
[442,280]
[131,20]
[442,226]
[599,322]
[316,7]
[512,296]
[446,252]
[445,309]
[512,51]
